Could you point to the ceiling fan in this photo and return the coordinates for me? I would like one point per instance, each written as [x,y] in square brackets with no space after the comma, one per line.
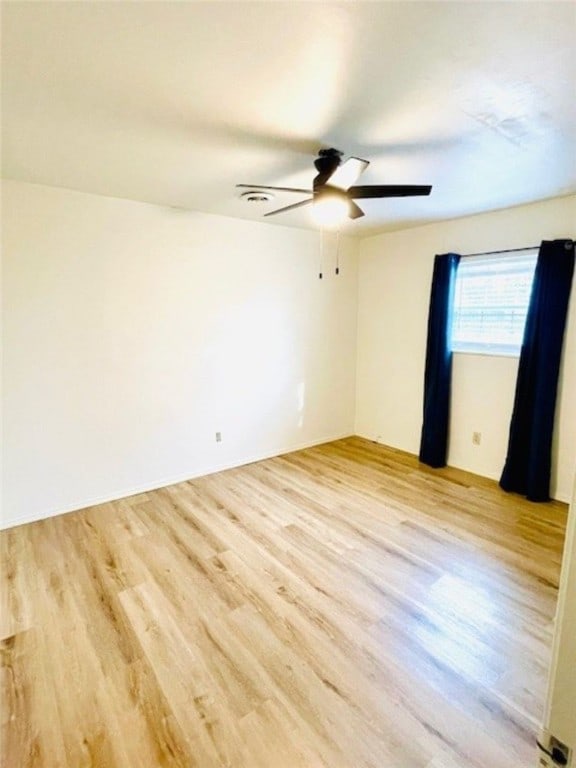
[335,185]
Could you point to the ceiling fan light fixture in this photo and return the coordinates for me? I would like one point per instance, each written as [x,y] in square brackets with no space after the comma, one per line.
[330,209]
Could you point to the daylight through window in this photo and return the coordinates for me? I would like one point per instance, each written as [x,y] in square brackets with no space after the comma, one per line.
[491,302]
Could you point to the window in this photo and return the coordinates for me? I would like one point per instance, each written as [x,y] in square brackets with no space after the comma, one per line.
[491,302]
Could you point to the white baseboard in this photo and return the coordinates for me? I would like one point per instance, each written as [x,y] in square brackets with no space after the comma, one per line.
[556,495]
[207,470]
[162,483]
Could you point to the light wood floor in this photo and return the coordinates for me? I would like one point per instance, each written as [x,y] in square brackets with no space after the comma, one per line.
[340,606]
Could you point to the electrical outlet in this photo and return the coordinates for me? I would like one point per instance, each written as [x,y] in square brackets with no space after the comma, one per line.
[218,437]
[561,753]
[476,438]
[553,752]
[548,761]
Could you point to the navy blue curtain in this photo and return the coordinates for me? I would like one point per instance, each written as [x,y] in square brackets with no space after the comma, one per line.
[438,372]
[527,467]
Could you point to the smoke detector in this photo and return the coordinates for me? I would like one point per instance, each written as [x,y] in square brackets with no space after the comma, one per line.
[256,196]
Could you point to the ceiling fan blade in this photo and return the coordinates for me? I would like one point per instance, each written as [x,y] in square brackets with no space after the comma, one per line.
[277,189]
[355,210]
[347,173]
[388,190]
[290,207]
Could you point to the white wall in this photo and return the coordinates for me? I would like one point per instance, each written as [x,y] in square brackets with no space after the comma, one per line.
[395,271]
[132,333]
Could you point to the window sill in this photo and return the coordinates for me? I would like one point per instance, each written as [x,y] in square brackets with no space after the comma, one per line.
[485,353]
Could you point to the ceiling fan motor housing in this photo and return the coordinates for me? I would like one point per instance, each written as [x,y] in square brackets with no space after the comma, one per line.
[326,163]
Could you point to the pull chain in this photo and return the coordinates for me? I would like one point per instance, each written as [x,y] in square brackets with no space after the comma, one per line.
[338,252]
[321,252]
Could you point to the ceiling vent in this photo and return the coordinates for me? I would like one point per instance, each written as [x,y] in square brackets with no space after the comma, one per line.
[257,196]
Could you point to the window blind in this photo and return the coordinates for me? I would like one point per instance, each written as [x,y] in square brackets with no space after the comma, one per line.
[491,302]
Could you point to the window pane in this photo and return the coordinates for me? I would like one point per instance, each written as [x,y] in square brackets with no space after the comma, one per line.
[491,302]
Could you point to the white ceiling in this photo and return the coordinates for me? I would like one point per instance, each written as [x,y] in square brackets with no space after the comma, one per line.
[176,102]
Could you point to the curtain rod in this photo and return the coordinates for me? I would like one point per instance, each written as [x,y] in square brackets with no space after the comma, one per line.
[508,250]
[505,250]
